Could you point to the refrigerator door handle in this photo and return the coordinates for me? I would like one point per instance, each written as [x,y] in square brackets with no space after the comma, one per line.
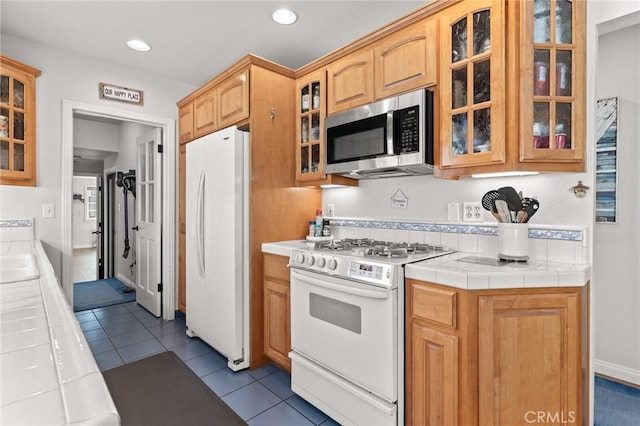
[200,222]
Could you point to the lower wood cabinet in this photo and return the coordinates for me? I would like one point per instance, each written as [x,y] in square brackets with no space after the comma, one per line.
[505,357]
[277,312]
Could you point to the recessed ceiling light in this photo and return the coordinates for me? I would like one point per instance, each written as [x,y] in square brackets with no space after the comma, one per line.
[138,45]
[284,16]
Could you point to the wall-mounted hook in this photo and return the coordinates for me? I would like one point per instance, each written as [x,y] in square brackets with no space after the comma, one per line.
[579,190]
[272,113]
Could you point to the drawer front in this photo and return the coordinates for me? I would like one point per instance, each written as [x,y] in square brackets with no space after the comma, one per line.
[276,266]
[433,304]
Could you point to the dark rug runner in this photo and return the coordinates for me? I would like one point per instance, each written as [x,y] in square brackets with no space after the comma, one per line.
[100,293]
[162,390]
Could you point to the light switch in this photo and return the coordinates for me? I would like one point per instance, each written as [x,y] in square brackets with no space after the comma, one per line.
[48,210]
[453,212]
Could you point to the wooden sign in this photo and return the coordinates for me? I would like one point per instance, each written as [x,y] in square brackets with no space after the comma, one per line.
[121,94]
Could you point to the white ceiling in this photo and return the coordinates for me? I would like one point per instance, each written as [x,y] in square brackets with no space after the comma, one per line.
[192,41]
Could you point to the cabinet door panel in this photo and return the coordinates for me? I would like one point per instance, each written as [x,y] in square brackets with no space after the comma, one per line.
[204,111]
[552,82]
[277,328]
[350,81]
[472,89]
[529,358]
[432,398]
[233,99]
[185,123]
[406,60]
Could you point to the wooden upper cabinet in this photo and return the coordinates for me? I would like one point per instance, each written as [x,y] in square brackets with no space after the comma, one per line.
[406,59]
[552,81]
[472,84]
[185,123]
[233,99]
[17,123]
[204,113]
[350,81]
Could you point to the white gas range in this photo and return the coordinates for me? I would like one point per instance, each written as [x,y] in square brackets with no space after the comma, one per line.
[347,327]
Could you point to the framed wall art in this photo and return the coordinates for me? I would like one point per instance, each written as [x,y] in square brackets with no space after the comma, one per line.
[606,160]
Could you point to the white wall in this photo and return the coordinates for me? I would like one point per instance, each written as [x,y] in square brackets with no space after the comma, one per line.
[66,75]
[82,228]
[91,134]
[617,246]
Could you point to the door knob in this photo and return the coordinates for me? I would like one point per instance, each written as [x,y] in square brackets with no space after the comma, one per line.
[135,228]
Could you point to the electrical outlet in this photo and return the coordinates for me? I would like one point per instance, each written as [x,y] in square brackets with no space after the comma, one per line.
[453,212]
[472,212]
[331,210]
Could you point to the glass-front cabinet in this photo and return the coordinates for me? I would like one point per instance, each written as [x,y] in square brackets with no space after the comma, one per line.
[472,89]
[17,123]
[311,111]
[552,106]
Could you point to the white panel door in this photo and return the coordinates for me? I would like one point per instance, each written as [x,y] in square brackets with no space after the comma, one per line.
[149,222]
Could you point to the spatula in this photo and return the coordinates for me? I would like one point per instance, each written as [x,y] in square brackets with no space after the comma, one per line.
[503,211]
[512,198]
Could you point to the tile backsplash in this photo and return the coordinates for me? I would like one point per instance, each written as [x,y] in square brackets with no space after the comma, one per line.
[546,242]
[16,230]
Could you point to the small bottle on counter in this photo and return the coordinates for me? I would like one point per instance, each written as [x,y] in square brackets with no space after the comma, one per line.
[326,230]
[312,228]
[318,230]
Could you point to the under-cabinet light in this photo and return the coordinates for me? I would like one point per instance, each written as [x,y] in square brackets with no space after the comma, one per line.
[503,174]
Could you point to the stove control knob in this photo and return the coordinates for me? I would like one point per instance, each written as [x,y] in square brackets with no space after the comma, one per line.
[300,258]
[332,264]
[320,262]
[310,260]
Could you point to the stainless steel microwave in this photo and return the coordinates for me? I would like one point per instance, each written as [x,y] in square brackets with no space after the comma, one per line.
[391,137]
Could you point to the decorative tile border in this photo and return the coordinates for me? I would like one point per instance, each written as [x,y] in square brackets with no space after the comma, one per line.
[537,232]
[16,223]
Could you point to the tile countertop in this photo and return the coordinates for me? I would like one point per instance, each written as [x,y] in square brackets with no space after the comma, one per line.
[47,372]
[283,248]
[449,270]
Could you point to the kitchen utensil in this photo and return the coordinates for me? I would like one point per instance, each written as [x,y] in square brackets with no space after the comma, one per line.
[512,197]
[502,209]
[530,206]
[489,198]
[488,203]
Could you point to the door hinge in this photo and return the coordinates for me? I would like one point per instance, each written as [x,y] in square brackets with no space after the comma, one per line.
[159,287]
[160,149]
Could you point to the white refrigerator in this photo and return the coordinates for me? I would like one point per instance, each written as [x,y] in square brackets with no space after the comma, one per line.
[217,249]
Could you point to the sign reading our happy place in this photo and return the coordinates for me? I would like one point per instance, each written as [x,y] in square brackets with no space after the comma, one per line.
[122,94]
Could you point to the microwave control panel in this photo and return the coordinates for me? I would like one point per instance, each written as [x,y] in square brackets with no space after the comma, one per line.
[407,123]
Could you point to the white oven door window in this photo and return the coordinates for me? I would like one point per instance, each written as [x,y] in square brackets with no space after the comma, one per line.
[347,327]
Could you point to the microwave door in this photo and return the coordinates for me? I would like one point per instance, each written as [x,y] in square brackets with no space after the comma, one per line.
[362,144]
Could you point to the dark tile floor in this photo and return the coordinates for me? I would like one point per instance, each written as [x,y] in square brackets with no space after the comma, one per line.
[124,333]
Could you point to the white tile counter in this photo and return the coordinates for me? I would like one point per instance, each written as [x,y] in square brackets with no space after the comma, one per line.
[47,372]
[450,271]
[283,248]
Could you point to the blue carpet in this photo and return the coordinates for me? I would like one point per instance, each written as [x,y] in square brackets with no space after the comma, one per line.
[99,293]
[616,404]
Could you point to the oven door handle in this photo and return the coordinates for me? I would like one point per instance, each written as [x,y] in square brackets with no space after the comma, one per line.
[371,294]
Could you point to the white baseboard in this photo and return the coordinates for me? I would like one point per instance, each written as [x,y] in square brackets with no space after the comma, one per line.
[617,371]
[83,246]
[125,280]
